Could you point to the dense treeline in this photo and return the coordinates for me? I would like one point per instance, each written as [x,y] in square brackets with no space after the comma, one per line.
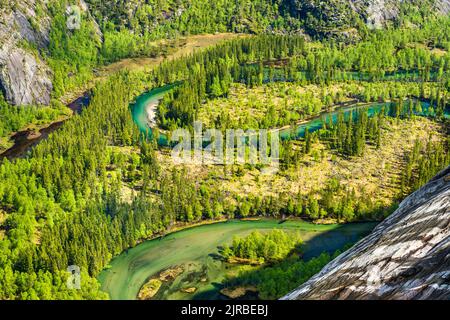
[64,203]
[263,247]
[374,59]
[338,201]
[72,53]
[335,201]
[276,280]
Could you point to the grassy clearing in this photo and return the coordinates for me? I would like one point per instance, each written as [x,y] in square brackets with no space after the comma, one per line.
[277,104]
[375,174]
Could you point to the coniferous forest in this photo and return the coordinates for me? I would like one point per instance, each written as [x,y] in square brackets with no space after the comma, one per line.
[98,186]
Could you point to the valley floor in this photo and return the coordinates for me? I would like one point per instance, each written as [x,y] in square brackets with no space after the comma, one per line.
[182,47]
[376,175]
[195,251]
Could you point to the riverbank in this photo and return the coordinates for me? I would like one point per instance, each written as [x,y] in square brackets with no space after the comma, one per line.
[196,250]
[19,142]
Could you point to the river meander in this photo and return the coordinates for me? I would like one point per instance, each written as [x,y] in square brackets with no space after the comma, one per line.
[196,250]
[140,112]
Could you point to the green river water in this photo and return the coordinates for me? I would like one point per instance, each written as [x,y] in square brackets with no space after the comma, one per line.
[139,114]
[196,249]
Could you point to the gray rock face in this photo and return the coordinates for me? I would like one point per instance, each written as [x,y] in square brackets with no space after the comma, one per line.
[380,11]
[443,6]
[376,13]
[24,77]
[407,256]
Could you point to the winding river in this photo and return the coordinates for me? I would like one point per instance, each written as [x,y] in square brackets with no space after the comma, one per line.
[147,103]
[196,250]
[26,139]
[144,111]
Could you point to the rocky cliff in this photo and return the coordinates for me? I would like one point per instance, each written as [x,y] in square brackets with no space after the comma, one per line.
[24,77]
[335,16]
[25,25]
[407,256]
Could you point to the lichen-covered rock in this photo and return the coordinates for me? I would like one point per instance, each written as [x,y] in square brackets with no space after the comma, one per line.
[24,77]
[334,15]
[407,256]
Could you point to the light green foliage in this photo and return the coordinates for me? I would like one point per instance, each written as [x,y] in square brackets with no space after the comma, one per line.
[14,118]
[272,246]
[278,279]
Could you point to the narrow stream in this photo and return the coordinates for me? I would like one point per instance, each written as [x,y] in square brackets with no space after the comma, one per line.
[151,99]
[26,139]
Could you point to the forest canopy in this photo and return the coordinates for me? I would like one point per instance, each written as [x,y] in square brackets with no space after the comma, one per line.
[62,204]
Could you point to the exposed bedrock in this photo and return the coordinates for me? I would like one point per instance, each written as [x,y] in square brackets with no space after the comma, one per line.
[407,256]
[24,77]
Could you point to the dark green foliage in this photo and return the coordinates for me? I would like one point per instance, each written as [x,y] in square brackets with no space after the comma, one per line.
[383,56]
[422,164]
[13,118]
[166,19]
[274,281]
[63,204]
